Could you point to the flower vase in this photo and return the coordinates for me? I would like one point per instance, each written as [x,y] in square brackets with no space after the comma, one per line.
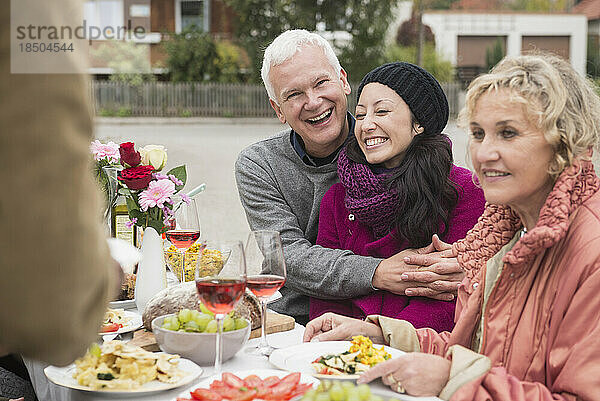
[151,275]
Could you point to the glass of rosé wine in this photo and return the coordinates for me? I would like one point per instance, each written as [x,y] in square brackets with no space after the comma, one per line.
[184,228]
[223,287]
[266,274]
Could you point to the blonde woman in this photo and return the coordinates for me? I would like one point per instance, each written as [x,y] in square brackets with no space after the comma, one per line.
[527,310]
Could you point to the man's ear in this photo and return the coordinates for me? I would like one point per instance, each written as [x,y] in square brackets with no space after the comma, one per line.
[418,129]
[277,109]
[345,83]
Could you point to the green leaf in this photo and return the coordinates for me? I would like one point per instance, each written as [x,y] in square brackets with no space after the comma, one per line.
[137,214]
[131,204]
[181,174]
[157,225]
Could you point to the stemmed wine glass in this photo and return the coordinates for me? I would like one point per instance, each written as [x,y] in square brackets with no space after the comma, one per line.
[184,231]
[224,285]
[187,225]
[266,274]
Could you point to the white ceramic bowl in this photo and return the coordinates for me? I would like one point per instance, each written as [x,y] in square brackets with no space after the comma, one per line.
[199,347]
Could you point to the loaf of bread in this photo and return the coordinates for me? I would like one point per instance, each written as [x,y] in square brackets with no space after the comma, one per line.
[184,295]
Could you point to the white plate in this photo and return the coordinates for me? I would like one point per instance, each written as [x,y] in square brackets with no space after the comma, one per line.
[125,304]
[262,373]
[64,377]
[298,358]
[134,323]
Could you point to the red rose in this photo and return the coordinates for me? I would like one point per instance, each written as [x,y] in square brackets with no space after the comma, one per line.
[137,177]
[129,156]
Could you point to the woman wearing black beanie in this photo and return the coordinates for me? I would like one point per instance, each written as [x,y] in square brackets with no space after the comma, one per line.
[398,187]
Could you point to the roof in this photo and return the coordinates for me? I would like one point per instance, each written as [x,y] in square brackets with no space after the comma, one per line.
[591,9]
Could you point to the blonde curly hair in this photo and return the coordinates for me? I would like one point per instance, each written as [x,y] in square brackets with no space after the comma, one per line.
[559,101]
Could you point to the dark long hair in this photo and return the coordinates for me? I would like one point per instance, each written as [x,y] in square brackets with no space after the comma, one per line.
[427,195]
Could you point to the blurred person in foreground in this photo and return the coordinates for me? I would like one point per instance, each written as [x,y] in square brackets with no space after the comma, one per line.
[281,181]
[398,188]
[527,309]
[57,273]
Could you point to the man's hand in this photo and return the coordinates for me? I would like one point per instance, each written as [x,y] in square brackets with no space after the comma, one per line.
[332,327]
[432,272]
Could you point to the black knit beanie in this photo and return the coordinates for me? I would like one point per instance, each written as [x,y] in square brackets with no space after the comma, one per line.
[418,88]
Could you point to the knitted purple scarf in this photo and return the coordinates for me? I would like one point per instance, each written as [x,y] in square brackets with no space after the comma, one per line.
[367,195]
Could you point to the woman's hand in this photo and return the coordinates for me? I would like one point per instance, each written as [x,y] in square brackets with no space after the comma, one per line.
[415,373]
[332,327]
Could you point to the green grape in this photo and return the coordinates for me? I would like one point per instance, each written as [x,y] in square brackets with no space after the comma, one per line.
[347,384]
[336,392]
[228,323]
[240,323]
[192,326]
[309,395]
[352,393]
[204,309]
[184,315]
[171,324]
[202,320]
[322,397]
[353,397]
[364,392]
[211,327]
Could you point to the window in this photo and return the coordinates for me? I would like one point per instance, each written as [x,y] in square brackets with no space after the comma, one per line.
[192,12]
[107,15]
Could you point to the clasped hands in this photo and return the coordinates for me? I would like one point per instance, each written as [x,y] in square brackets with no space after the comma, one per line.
[432,272]
[416,373]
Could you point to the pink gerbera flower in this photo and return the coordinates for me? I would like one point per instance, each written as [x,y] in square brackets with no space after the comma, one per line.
[109,151]
[157,193]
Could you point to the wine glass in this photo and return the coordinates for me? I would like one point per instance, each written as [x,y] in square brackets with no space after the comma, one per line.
[187,225]
[221,283]
[266,274]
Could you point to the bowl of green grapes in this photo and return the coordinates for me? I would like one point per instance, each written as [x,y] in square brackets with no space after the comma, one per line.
[192,334]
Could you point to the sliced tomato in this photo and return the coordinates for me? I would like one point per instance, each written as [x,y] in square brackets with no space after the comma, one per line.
[226,392]
[280,390]
[204,394]
[293,378]
[300,389]
[262,391]
[245,395]
[253,381]
[107,328]
[217,383]
[232,380]
[271,381]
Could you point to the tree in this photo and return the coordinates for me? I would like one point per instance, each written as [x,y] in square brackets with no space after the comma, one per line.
[408,33]
[494,54]
[260,21]
[129,61]
[441,69]
[192,56]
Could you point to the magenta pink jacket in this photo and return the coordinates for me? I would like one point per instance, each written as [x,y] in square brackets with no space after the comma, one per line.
[339,230]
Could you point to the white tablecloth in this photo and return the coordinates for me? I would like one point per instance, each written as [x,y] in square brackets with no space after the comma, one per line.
[47,391]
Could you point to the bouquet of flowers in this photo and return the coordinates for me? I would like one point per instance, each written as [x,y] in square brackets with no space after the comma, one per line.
[148,192]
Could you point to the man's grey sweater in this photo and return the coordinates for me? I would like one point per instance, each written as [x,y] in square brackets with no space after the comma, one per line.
[280,192]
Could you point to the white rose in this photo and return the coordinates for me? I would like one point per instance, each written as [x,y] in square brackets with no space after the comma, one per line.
[154,155]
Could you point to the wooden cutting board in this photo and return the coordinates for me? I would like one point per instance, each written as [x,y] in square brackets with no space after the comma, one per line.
[276,323]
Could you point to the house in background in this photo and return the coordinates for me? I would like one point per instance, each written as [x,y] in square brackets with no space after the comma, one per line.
[158,18]
[591,9]
[464,37]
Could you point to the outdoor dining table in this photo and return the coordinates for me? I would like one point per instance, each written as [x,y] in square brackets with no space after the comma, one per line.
[47,391]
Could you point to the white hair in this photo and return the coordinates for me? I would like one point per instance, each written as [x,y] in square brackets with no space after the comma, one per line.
[285,46]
